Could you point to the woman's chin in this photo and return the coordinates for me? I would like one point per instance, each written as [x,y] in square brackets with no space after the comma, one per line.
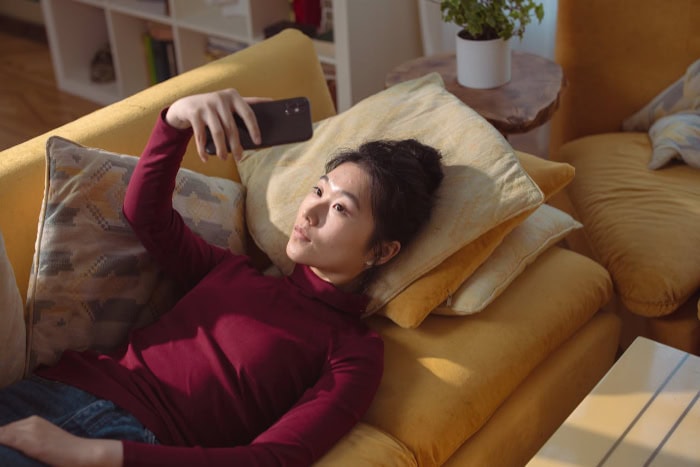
[293,253]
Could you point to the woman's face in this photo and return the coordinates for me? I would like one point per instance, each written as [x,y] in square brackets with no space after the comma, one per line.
[333,226]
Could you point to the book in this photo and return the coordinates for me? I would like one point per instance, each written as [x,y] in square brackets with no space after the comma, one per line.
[160,58]
[150,62]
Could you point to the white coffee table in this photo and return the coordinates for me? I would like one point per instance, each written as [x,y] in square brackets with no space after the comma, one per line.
[644,412]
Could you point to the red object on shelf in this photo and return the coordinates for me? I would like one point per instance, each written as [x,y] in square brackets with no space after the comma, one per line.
[307,12]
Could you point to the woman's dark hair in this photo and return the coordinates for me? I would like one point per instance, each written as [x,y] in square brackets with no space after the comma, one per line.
[404,175]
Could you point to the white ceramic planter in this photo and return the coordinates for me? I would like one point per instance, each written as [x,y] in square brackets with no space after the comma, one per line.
[483,64]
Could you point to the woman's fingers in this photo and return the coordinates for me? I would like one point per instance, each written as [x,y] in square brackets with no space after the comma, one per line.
[215,111]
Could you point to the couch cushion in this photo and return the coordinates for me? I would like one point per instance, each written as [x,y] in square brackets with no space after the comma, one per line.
[12,330]
[534,411]
[642,225]
[485,187]
[445,379]
[92,280]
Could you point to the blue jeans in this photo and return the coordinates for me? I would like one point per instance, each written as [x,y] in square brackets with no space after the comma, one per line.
[72,409]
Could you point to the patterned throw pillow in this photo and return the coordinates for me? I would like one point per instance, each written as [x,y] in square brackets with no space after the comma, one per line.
[91,279]
[12,330]
[675,137]
[683,95]
[485,190]
[542,229]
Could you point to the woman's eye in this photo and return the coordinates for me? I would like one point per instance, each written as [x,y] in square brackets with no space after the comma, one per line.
[339,207]
[316,190]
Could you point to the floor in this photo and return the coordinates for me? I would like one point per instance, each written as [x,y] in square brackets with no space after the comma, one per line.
[30,103]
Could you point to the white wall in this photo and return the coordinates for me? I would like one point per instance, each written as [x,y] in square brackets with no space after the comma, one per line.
[439,37]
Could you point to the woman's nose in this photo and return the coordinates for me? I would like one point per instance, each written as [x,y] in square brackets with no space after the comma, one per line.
[313,212]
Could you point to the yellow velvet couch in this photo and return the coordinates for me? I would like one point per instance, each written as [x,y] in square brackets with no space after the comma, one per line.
[487,389]
[643,225]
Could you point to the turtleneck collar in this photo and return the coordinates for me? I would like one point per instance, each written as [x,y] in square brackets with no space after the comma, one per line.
[313,286]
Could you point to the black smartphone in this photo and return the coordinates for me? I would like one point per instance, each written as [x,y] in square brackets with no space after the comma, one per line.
[280,121]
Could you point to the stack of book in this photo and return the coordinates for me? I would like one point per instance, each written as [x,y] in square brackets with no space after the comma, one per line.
[160,52]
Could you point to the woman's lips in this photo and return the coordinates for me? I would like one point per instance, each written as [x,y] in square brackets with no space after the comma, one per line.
[300,233]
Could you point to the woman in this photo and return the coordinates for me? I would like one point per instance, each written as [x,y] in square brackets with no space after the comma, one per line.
[245,369]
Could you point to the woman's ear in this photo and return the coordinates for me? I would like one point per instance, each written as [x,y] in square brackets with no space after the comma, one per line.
[388,251]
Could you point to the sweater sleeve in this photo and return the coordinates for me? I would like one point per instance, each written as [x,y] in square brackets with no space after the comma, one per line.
[323,415]
[148,208]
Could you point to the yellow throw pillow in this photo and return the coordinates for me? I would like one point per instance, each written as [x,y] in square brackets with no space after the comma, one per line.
[12,331]
[484,184]
[550,176]
[92,280]
[542,229]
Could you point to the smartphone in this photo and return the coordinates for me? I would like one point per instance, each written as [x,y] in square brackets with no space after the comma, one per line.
[280,121]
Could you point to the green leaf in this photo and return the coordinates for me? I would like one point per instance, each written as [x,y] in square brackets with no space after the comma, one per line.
[491,19]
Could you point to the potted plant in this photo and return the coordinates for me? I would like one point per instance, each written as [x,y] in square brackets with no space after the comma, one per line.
[483,43]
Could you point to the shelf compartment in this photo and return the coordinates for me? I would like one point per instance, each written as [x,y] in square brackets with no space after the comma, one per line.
[95,3]
[189,48]
[77,32]
[129,53]
[325,51]
[207,20]
[152,10]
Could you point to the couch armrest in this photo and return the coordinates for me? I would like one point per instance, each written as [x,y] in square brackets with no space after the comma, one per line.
[285,65]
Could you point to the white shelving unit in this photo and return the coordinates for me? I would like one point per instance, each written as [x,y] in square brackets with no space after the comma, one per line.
[371,37]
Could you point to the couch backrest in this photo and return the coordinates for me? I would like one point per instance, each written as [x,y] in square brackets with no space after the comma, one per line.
[616,56]
[285,65]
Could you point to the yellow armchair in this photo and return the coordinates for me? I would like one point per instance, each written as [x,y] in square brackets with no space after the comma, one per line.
[642,225]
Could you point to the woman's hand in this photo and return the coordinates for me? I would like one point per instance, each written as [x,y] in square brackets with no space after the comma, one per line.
[44,441]
[215,110]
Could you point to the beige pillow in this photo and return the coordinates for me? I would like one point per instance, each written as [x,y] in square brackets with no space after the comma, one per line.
[683,95]
[542,229]
[12,328]
[92,280]
[484,184]
[676,137]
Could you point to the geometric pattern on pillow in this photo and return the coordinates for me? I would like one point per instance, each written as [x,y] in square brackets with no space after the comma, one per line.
[542,229]
[484,185]
[676,136]
[91,279]
[683,95]
[12,328]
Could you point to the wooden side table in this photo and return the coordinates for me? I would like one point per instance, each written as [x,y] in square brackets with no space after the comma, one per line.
[526,102]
